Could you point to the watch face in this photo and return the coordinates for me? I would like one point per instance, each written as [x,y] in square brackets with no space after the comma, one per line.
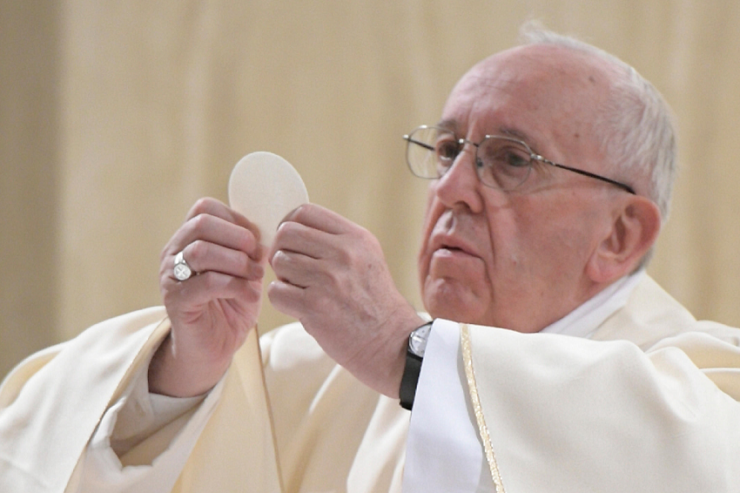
[418,340]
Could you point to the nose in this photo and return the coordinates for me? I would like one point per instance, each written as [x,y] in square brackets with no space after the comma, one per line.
[460,185]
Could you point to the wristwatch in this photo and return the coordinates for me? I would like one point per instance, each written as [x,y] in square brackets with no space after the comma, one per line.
[414,356]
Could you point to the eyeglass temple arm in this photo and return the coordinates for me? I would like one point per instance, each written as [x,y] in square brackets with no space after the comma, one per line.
[422,144]
[624,187]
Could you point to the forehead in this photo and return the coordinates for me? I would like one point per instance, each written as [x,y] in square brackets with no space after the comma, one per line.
[541,94]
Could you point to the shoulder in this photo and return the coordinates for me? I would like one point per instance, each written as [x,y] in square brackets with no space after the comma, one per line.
[653,319]
[650,316]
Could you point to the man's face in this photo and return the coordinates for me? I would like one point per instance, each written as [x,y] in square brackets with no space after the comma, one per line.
[516,259]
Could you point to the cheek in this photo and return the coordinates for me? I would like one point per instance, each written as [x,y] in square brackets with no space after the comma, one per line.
[551,245]
[423,258]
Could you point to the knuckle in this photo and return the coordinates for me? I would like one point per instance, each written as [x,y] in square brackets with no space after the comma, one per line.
[202,204]
[209,281]
[243,262]
[200,222]
[335,280]
[287,229]
[247,239]
[301,212]
[280,265]
[323,304]
[280,259]
[197,250]
[345,256]
[256,271]
[365,237]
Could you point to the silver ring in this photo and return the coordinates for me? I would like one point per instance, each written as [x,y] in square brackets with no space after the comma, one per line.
[182,270]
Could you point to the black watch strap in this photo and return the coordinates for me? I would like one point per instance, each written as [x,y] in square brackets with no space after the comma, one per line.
[410,378]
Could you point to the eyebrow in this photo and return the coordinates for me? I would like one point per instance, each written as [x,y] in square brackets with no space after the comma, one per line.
[517,134]
[452,126]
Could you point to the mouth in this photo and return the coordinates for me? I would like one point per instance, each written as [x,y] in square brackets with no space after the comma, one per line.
[452,253]
[451,246]
[451,249]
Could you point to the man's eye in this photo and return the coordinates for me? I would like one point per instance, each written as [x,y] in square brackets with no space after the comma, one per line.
[515,159]
[507,156]
[447,150]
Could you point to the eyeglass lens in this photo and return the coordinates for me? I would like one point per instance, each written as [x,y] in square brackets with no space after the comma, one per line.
[500,162]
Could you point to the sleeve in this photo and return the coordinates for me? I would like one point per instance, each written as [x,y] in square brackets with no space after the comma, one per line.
[143,441]
[51,404]
[59,410]
[567,414]
[443,450]
[139,414]
[559,413]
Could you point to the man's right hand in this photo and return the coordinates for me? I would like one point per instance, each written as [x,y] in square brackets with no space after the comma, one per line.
[212,312]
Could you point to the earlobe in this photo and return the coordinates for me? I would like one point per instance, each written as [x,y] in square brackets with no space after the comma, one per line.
[634,229]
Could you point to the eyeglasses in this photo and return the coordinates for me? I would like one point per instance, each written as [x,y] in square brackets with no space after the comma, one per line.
[501,162]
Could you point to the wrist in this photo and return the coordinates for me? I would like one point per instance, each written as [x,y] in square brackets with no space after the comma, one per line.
[173,372]
[389,369]
[415,350]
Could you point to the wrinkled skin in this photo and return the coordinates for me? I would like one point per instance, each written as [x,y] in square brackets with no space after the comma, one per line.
[332,276]
[212,312]
[519,260]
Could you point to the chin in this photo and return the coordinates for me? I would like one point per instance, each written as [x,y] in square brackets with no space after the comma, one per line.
[452,301]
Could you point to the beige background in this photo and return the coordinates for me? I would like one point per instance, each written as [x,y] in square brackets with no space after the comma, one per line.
[116,116]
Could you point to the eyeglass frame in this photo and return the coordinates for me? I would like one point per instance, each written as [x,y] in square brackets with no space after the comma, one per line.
[532,155]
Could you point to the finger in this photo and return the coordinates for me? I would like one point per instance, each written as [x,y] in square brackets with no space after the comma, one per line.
[299,270]
[200,290]
[317,217]
[213,207]
[297,237]
[287,298]
[203,256]
[216,230]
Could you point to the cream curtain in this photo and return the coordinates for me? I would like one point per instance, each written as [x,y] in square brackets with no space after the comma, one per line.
[116,116]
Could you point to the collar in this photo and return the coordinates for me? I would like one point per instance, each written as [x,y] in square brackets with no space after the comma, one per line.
[584,320]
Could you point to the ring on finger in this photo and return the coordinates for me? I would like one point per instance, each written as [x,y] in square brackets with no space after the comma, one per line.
[182,270]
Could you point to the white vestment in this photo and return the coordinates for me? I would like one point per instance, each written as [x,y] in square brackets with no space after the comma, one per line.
[650,403]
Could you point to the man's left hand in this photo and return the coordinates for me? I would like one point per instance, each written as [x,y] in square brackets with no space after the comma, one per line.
[332,276]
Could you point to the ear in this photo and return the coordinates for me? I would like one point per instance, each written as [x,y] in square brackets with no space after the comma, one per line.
[634,229]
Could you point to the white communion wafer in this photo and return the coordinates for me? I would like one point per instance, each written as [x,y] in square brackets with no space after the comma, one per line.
[264,187]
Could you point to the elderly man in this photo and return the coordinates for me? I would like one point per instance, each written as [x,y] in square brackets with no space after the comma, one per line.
[553,362]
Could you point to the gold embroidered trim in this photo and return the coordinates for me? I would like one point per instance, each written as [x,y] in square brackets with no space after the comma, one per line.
[478,409]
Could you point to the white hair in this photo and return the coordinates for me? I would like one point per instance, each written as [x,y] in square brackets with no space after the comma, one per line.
[635,126]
